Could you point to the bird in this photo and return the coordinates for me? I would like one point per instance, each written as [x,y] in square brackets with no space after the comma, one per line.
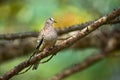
[46,39]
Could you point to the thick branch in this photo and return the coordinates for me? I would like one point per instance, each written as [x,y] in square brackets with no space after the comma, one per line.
[89,61]
[63,45]
[22,47]
[111,45]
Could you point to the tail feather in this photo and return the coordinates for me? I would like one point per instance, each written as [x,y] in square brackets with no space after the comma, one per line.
[35,65]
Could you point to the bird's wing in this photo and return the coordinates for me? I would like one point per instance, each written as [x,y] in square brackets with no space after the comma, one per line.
[39,42]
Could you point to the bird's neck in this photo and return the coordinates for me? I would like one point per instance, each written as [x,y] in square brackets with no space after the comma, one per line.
[48,26]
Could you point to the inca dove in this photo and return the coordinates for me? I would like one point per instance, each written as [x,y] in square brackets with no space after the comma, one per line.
[46,39]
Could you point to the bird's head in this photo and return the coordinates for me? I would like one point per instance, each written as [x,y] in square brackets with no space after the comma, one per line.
[50,21]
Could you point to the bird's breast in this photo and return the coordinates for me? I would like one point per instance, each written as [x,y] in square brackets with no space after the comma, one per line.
[50,35]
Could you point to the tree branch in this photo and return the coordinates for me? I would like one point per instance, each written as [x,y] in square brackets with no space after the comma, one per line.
[21,47]
[16,48]
[90,61]
[93,59]
[63,45]
[23,35]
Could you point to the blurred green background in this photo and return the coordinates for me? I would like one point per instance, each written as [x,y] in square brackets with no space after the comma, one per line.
[29,15]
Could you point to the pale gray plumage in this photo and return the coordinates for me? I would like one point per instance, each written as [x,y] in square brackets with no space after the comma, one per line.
[46,39]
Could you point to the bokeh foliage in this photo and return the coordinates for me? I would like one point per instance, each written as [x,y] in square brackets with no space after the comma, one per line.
[30,15]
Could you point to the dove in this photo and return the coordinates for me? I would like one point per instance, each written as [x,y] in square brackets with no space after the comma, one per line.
[46,39]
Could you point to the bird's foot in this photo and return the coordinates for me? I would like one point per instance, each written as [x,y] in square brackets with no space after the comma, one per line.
[47,59]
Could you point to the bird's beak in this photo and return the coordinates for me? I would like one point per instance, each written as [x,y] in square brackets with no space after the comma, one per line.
[55,22]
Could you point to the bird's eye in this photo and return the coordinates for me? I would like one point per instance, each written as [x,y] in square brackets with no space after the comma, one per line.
[51,19]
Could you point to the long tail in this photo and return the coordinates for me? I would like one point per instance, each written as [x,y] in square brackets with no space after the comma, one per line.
[35,65]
